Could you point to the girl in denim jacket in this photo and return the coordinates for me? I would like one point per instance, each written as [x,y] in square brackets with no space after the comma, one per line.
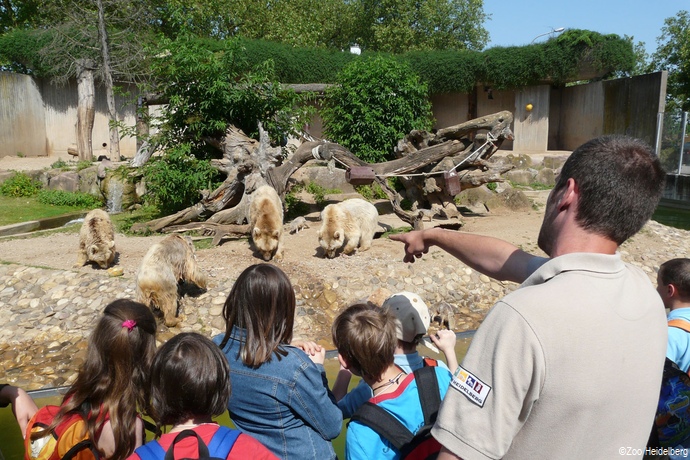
[280,394]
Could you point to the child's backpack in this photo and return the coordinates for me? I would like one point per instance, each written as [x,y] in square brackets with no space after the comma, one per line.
[672,420]
[219,447]
[411,446]
[67,441]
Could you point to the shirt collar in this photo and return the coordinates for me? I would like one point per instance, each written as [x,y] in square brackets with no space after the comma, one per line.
[576,261]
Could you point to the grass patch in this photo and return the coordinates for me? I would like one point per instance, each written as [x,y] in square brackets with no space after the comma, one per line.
[22,209]
[123,221]
[396,230]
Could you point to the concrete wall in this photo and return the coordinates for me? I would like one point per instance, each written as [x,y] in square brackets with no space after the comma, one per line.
[38,118]
[632,104]
[22,119]
[531,126]
[578,115]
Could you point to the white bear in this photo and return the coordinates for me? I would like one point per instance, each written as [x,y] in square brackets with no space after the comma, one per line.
[352,222]
[166,264]
[266,222]
[96,240]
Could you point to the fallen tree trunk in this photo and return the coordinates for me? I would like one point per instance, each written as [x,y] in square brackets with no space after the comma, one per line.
[423,157]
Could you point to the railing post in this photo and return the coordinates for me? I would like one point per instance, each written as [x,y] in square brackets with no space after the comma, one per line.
[684,123]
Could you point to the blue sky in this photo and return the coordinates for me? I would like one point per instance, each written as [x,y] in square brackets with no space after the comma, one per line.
[518,22]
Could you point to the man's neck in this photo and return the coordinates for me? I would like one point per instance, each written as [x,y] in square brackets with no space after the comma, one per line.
[574,240]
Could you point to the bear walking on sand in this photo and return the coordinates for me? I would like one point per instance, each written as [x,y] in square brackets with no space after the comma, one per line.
[351,223]
[266,222]
[96,240]
[166,264]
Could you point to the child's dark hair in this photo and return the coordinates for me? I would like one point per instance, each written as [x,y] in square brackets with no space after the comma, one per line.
[190,377]
[113,379]
[366,338]
[262,301]
[676,272]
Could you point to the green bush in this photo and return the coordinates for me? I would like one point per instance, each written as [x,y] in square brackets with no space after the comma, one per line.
[492,186]
[173,181]
[83,164]
[59,164]
[376,103]
[371,192]
[20,185]
[64,198]
[294,206]
[319,192]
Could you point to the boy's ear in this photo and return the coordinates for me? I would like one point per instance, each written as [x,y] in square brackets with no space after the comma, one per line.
[342,362]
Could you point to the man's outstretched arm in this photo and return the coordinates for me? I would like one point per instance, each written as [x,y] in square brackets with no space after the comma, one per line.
[491,256]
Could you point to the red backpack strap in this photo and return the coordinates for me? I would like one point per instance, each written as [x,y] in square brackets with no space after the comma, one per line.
[434,362]
[680,324]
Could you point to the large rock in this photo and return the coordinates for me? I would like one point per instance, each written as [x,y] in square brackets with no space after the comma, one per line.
[546,176]
[520,176]
[67,181]
[89,181]
[512,199]
[322,176]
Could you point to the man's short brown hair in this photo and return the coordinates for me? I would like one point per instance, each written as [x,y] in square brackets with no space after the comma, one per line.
[366,339]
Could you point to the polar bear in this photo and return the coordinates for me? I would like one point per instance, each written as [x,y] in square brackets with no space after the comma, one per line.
[96,240]
[166,264]
[266,222]
[351,222]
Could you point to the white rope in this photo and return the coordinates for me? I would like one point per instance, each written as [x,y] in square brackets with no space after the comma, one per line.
[315,153]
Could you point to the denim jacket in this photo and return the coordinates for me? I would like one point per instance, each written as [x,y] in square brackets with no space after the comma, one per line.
[285,404]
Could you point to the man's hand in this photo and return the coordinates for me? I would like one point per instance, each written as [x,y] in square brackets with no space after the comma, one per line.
[415,244]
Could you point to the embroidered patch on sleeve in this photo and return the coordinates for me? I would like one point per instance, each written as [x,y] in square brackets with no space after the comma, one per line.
[469,385]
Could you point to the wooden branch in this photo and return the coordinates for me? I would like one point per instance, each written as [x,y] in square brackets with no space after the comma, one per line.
[217,230]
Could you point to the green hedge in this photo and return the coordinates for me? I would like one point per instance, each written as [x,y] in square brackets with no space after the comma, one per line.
[557,60]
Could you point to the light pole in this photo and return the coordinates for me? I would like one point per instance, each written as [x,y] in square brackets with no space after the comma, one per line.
[553,31]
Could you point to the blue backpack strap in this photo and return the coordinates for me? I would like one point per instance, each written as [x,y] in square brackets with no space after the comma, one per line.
[222,442]
[152,450]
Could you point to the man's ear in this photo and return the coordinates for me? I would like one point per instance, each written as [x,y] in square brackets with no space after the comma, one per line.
[672,290]
[569,195]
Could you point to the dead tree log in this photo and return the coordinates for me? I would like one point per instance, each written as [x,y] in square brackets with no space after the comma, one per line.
[422,158]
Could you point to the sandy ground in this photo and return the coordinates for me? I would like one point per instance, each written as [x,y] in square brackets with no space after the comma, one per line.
[302,252]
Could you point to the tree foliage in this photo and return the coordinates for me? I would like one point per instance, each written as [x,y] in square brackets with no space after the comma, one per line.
[376,102]
[673,54]
[173,181]
[210,84]
[398,26]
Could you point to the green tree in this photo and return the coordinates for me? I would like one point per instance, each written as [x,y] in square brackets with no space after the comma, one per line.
[397,26]
[376,102]
[673,55]
[209,84]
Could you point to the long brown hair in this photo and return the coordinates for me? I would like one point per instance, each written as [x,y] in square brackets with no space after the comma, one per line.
[113,379]
[262,301]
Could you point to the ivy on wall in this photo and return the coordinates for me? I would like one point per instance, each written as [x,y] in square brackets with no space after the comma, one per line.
[556,61]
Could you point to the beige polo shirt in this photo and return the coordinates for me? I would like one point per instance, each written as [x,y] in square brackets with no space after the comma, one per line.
[566,367]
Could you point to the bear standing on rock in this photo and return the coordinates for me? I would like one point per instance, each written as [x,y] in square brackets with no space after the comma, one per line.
[166,264]
[96,240]
[266,222]
[352,222]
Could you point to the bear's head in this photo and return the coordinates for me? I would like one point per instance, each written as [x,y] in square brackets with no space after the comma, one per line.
[331,241]
[102,253]
[266,241]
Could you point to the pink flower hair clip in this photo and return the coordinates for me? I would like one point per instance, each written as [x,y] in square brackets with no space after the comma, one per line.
[129,324]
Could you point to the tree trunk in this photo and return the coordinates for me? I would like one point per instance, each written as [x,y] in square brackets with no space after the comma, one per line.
[86,111]
[108,77]
[424,157]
